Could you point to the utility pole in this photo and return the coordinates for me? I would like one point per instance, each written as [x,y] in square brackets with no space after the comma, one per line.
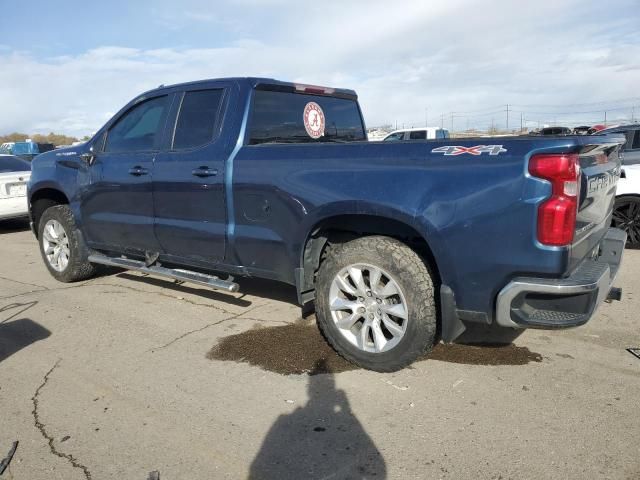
[451,122]
[521,122]
[605,118]
[633,114]
[507,117]
[442,120]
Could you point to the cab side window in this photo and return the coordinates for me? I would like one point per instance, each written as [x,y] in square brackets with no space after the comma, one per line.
[198,118]
[139,129]
[418,135]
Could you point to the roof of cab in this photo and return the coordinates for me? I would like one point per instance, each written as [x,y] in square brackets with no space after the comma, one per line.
[257,82]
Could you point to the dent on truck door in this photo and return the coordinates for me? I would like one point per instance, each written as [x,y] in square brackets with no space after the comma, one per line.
[190,216]
[117,204]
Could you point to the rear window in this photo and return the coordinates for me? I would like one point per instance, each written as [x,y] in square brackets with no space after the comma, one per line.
[9,163]
[280,117]
[636,141]
[197,119]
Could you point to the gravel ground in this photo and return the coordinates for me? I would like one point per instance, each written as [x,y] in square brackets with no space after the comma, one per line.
[126,374]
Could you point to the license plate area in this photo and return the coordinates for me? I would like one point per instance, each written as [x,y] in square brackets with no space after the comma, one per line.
[16,189]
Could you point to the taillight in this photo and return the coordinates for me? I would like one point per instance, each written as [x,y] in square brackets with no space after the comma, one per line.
[314,89]
[557,215]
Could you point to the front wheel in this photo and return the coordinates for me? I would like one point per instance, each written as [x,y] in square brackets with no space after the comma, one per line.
[61,246]
[375,303]
[626,216]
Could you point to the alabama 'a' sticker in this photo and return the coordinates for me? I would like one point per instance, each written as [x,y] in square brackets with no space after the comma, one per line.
[313,120]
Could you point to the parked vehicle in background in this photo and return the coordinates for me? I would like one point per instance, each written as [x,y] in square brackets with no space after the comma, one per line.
[257,177]
[582,130]
[596,129]
[26,150]
[426,133]
[14,175]
[556,131]
[631,149]
[626,213]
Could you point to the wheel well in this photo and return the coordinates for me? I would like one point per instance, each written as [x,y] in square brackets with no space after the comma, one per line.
[343,228]
[43,199]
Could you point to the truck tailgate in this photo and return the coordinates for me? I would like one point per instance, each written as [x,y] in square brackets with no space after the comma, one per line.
[600,168]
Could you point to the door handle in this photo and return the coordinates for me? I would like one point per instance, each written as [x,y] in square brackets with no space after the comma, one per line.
[204,172]
[138,171]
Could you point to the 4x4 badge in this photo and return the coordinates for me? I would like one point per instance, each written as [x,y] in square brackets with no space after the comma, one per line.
[476,150]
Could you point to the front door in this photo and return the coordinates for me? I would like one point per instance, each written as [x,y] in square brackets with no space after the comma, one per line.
[117,204]
[188,186]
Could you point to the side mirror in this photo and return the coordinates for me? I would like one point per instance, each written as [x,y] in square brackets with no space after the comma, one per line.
[89,157]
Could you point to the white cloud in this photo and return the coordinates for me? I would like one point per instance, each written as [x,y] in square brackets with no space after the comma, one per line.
[401,58]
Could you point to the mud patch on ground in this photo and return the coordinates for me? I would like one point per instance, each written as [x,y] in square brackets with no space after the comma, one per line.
[289,350]
[484,354]
[299,348]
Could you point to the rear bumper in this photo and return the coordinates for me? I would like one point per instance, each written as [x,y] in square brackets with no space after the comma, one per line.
[567,302]
[14,207]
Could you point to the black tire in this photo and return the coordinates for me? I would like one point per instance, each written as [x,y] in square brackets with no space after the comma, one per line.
[78,267]
[409,272]
[626,216]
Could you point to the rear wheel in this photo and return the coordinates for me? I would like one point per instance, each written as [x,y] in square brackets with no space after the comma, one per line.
[61,246]
[375,303]
[626,216]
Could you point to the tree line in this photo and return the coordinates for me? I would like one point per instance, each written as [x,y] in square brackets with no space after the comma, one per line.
[55,138]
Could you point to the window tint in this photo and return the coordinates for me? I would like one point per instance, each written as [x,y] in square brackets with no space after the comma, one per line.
[137,129]
[636,140]
[9,163]
[197,118]
[418,135]
[279,117]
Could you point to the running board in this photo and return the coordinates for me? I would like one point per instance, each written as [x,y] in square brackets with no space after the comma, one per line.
[210,281]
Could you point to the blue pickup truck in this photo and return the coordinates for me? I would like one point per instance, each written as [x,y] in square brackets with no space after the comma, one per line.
[398,245]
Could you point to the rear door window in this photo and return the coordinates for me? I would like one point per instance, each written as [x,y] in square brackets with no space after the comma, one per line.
[636,141]
[418,135]
[279,117]
[629,134]
[139,129]
[198,118]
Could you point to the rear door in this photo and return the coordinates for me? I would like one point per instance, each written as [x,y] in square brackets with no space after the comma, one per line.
[189,202]
[117,204]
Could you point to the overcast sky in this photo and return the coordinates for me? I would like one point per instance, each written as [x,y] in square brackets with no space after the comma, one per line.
[67,66]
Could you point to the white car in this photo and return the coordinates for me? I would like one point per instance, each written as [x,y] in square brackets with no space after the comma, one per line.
[626,213]
[14,175]
[424,133]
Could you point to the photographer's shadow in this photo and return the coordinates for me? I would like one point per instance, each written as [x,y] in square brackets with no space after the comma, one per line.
[323,439]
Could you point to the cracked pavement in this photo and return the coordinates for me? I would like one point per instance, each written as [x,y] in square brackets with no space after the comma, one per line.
[109,379]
